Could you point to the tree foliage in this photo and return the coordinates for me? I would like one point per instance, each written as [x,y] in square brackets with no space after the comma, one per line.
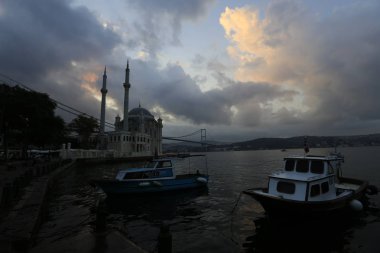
[27,118]
[85,127]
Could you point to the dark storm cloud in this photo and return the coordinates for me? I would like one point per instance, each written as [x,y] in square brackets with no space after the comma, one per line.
[160,22]
[178,94]
[42,37]
[346,82]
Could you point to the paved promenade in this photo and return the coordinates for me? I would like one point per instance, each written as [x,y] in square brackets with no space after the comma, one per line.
[23,205]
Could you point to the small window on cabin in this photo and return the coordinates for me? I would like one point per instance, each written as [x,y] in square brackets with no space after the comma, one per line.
[166,164]
[286,187]
[316,167]
[302,166]
[315,190]
[150,164]
[325,187]
[289,165]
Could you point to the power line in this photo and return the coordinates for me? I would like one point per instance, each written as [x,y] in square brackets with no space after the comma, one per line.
[73,110]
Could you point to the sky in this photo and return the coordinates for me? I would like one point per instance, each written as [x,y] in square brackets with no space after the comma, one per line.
[240,69]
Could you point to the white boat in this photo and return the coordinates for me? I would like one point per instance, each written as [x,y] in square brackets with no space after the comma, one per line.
[309,185]
[157,175]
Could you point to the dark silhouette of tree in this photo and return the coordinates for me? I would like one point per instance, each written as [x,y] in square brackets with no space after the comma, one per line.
[85,127]
[27,118]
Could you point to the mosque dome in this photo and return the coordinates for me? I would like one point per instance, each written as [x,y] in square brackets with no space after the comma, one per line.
[140,111]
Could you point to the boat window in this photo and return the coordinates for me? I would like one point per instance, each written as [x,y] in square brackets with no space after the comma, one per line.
[150,164]
[315,190]
[289,165]
[316,167]
[167,164]
[325,187]
[302,166]
[286,187]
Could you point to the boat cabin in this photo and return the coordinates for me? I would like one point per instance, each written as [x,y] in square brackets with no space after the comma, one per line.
[306,178]
[155,169]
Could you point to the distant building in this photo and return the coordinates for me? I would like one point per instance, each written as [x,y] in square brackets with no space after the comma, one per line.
[137,134]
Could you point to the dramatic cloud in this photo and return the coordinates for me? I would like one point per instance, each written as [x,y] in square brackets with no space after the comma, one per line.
[175,93]
[50,45]
[160,22]
[332,61]
[288,70]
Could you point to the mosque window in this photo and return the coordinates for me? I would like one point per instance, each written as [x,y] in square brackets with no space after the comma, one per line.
[118,138]
[123,138]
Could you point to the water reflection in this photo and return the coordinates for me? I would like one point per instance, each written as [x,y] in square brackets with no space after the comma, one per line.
[327,234]
[156,207]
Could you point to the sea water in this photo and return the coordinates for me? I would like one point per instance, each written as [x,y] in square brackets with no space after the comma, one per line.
[219,219]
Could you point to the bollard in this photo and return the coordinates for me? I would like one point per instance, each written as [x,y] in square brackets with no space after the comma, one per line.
[164,240]
[101,216]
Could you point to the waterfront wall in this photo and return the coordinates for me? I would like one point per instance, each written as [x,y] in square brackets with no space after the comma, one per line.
[75,154]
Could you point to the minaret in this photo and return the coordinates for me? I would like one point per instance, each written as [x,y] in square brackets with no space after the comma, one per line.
[126,85]
[103,105]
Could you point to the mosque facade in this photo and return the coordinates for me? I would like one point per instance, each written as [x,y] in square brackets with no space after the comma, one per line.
[137,134]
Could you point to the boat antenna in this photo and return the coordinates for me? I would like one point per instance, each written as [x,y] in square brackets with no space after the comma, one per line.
[305,145]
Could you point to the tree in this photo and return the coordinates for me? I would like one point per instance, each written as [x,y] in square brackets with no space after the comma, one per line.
[27,118]
[85,126]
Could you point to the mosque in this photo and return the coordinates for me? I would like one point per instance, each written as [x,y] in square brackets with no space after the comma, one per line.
[137,134]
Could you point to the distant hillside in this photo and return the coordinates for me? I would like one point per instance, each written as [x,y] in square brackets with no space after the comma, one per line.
[189,147]
[287,143]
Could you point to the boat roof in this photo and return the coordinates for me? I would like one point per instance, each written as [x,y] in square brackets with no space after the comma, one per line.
[297,176]
[333,157]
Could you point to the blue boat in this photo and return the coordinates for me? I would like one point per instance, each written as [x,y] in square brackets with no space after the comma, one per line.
[157,175]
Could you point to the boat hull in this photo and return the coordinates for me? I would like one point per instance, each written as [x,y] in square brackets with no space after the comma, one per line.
[276,206]
[115,187]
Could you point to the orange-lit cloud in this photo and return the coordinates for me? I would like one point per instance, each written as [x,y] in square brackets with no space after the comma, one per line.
[90,83]
[262,47]
[329,60]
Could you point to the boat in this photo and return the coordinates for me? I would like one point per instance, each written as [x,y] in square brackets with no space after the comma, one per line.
[158,175]
[310,185]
